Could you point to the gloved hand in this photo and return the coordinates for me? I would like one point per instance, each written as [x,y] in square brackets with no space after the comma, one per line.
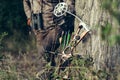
[28,21]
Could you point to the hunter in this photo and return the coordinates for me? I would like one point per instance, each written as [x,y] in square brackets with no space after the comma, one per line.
[47,27]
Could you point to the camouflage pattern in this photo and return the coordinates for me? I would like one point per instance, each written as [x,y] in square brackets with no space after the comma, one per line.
[46,7]
[48,39]
[31,6]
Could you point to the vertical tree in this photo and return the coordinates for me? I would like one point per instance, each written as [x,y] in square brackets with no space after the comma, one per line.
[103,16]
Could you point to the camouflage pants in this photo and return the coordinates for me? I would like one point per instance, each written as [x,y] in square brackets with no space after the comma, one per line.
[48,41]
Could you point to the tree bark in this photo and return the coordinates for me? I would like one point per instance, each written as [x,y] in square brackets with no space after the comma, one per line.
[105,56]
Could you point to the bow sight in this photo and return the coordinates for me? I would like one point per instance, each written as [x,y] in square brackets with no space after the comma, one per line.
[59,10]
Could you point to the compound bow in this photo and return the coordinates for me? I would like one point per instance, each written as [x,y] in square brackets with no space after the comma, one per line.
[60,10]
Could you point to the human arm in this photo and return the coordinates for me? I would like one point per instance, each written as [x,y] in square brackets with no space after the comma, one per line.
[27,10]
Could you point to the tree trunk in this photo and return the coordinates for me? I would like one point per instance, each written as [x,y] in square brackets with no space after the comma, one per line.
[105,56]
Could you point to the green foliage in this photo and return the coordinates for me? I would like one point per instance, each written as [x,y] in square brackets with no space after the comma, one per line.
[106,31]
[110,32]
[81,68]
[1,38]
[7,71]
[86,70]
[12,69]
[113,7]
[4,75]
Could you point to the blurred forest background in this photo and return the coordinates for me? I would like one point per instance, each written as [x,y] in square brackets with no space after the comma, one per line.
[13,24]
[18,55]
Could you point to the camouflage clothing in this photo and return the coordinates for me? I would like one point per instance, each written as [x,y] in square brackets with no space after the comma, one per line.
[31,6]
[46,7]
[48,39]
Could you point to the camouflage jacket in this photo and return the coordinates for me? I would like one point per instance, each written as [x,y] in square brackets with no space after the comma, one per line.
[45,7]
